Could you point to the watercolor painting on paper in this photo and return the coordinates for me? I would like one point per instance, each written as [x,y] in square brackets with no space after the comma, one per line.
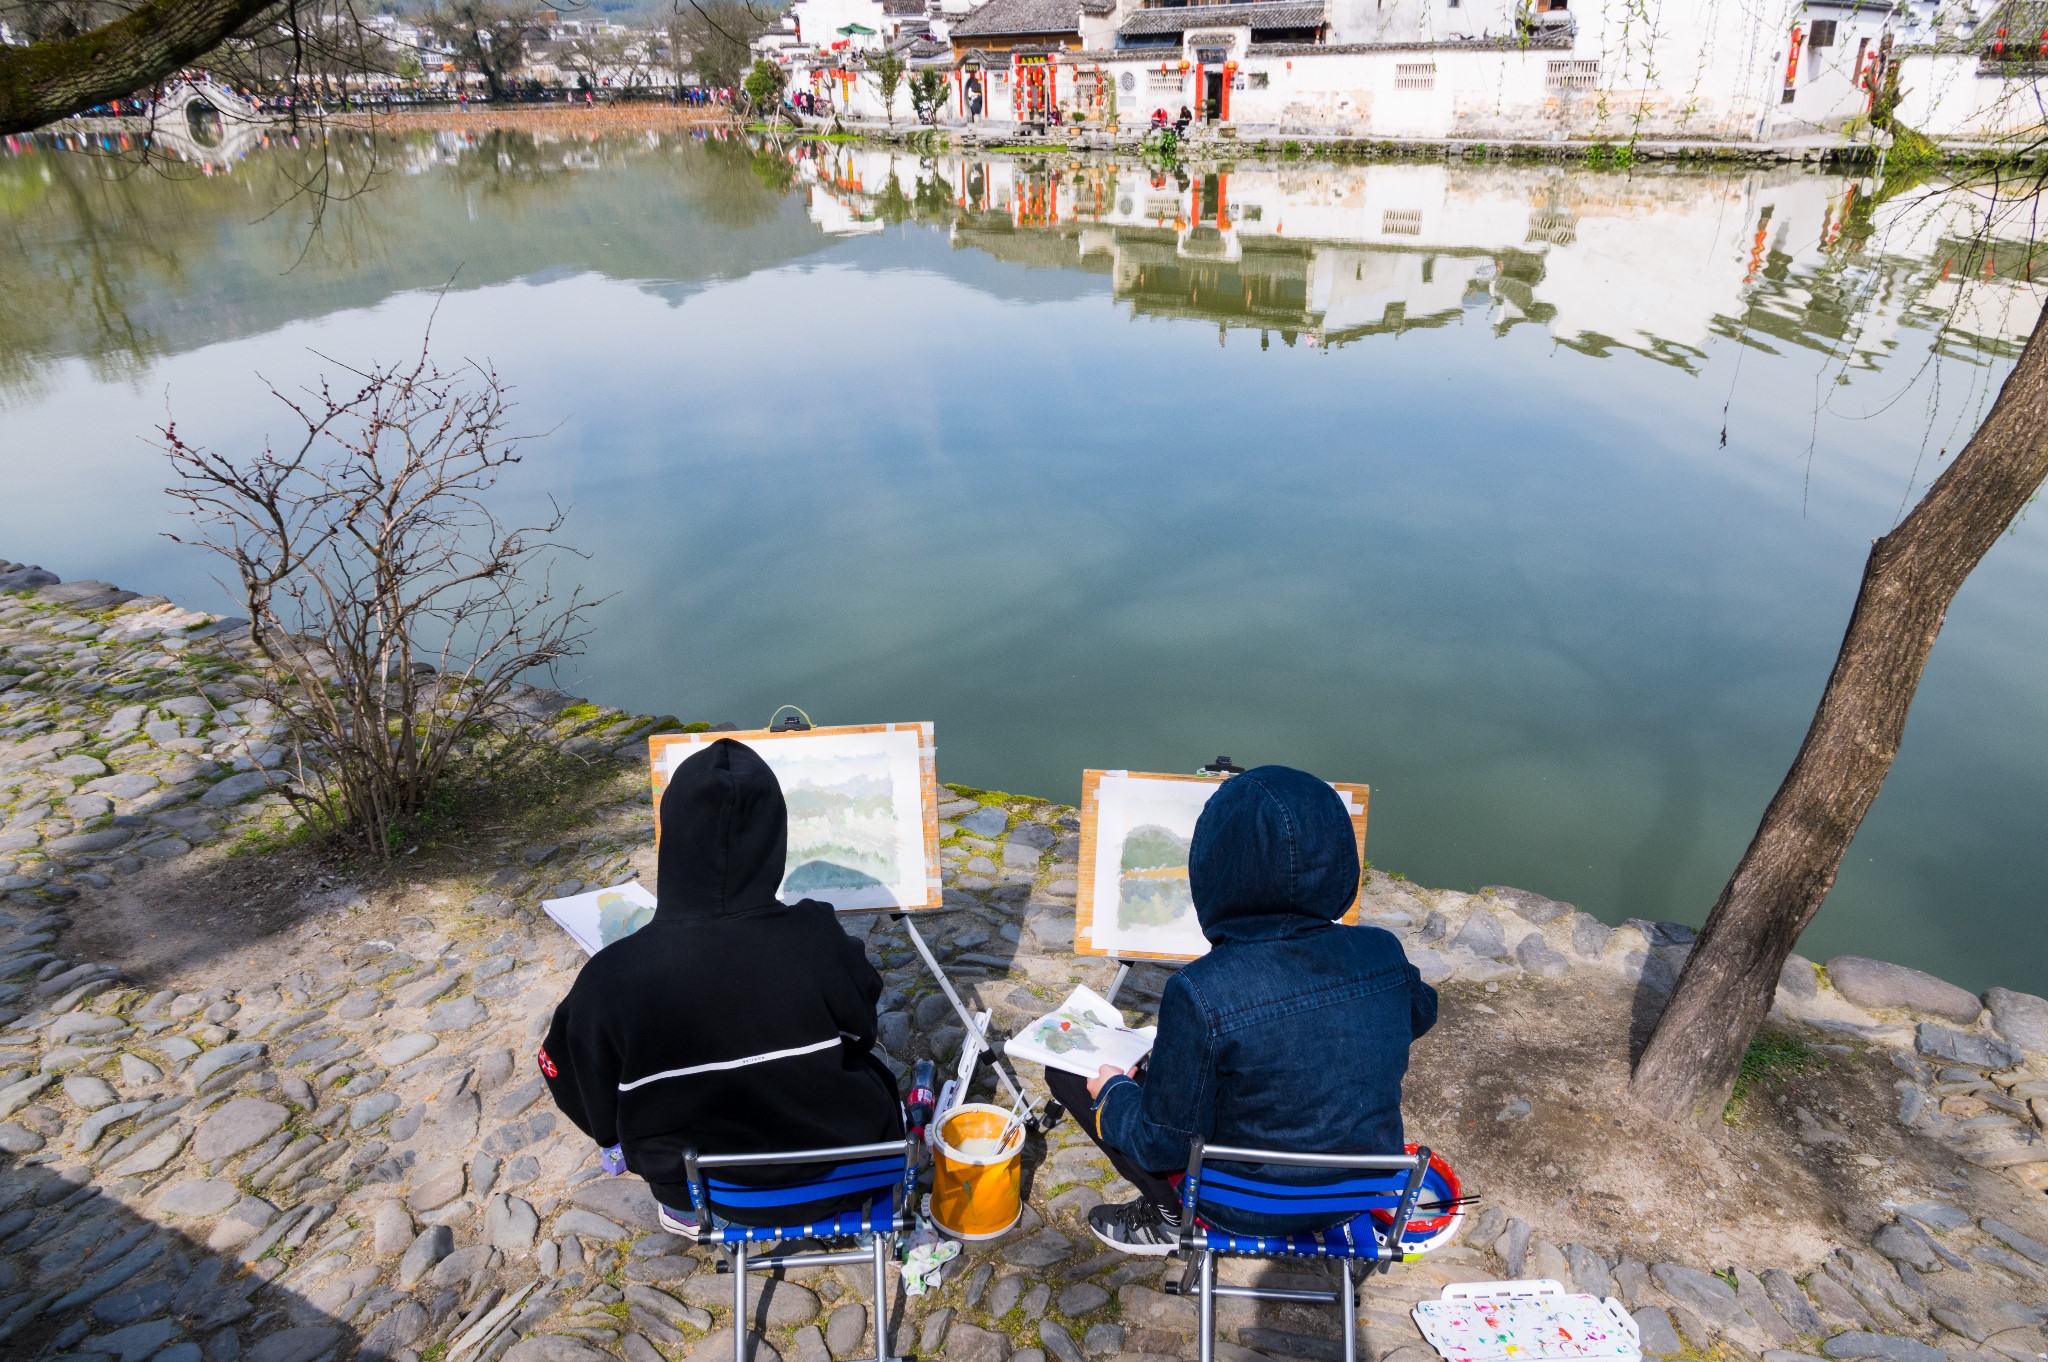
[863,810]
[1134,899]
[596,919]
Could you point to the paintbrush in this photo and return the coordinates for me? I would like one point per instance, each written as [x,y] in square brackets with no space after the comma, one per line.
[1014,1123]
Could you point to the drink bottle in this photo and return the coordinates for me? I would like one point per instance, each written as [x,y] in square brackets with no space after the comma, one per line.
[922,1098]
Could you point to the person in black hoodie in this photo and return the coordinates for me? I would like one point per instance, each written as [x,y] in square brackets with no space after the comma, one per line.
[732,1023]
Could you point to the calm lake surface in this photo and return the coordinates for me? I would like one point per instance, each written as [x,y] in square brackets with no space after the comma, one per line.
[1535,498]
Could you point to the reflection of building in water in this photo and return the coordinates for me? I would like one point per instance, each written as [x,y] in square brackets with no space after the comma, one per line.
[1655,263]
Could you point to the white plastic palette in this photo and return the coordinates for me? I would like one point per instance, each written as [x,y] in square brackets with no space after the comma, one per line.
[1526,1322]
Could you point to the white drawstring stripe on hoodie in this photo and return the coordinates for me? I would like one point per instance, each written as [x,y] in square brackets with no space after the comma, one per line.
[771,1055]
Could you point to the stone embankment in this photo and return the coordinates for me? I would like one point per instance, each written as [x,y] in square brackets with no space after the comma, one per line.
[332,1144]
[1232,143]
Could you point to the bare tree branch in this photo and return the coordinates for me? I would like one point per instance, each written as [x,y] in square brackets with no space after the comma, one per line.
[63,75]
[364,551]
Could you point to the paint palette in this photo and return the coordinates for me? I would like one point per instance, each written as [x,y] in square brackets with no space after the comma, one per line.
[1526,1322]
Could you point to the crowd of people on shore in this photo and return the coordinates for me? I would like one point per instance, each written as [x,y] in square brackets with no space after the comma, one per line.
[282,100]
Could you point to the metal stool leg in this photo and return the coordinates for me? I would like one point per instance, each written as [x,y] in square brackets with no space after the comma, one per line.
[1208,1325]
[883,1245]
[1349,1305]
[739,1302]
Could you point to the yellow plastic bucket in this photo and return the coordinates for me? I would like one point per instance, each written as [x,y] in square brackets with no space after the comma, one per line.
[977,1187]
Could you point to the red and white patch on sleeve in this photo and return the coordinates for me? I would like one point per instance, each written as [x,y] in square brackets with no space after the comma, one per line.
[547,1065]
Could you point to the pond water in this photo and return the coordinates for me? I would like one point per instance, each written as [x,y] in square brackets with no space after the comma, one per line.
[1534,497]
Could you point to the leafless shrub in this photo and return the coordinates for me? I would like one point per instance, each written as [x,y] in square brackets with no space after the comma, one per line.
[396,611]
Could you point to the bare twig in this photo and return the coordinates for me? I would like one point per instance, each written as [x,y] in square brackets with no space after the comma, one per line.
[398,615]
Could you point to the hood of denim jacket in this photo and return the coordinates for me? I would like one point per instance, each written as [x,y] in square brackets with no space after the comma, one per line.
[1273,855]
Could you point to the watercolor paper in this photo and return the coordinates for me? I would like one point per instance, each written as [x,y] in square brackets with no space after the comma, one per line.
[1134,899]
[597,919]
[863,810]
[1547,1326]
[1081,1035]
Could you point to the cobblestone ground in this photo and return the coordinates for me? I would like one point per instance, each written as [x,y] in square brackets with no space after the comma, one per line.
[349,1155]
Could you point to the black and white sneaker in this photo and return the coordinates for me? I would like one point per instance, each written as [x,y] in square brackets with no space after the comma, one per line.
[1136,1227]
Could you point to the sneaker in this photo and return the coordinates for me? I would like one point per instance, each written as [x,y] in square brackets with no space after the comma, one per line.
[1136,1227]
[676,1222]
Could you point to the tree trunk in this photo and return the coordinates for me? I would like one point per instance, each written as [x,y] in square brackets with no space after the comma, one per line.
[1914,572]
[46,81]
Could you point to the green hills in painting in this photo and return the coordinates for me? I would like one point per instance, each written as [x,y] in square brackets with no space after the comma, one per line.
[1151,847]
[1152,888]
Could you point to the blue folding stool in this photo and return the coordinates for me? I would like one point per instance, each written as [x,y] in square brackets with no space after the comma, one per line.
[885,1172]
[1355,1234]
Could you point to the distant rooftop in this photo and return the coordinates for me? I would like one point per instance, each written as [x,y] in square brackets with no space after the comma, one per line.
[1266,14]
[999,17]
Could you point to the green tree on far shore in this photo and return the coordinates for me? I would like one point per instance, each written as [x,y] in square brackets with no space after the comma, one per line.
[886,71]
[764,86]
[928,96]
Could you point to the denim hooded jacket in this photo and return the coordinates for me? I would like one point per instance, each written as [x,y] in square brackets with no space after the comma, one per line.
[1293,1031]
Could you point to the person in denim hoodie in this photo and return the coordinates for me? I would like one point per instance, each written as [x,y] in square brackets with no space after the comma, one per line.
[1291,1033]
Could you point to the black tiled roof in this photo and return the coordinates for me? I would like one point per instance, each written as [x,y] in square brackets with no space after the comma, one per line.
[1021,16]
[1270,14]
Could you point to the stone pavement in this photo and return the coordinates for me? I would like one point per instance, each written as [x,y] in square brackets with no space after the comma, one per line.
[356,1158]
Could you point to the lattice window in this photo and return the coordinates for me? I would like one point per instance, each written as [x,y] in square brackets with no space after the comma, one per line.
[1415,75]
[1157,81]
[1401,222]
[1573,75]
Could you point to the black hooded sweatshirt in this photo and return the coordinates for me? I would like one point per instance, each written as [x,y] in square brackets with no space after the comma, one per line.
[731,1023]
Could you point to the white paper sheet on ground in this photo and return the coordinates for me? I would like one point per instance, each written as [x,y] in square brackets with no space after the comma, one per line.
[600,917]
[1081,1035]
[856,814]
[1528,1328]
[1142,830]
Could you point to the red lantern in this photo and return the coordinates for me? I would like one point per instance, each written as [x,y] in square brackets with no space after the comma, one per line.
[1183,68]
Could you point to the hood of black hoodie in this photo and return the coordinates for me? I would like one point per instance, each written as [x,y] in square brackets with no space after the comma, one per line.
[724,835]
[1273,855]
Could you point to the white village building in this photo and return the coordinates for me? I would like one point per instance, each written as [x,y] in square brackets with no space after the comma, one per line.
[1605,70]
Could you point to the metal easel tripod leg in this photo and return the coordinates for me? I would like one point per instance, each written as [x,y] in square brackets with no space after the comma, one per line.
[967,1020]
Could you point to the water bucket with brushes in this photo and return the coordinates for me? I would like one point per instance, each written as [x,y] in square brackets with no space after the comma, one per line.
[977,1176]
